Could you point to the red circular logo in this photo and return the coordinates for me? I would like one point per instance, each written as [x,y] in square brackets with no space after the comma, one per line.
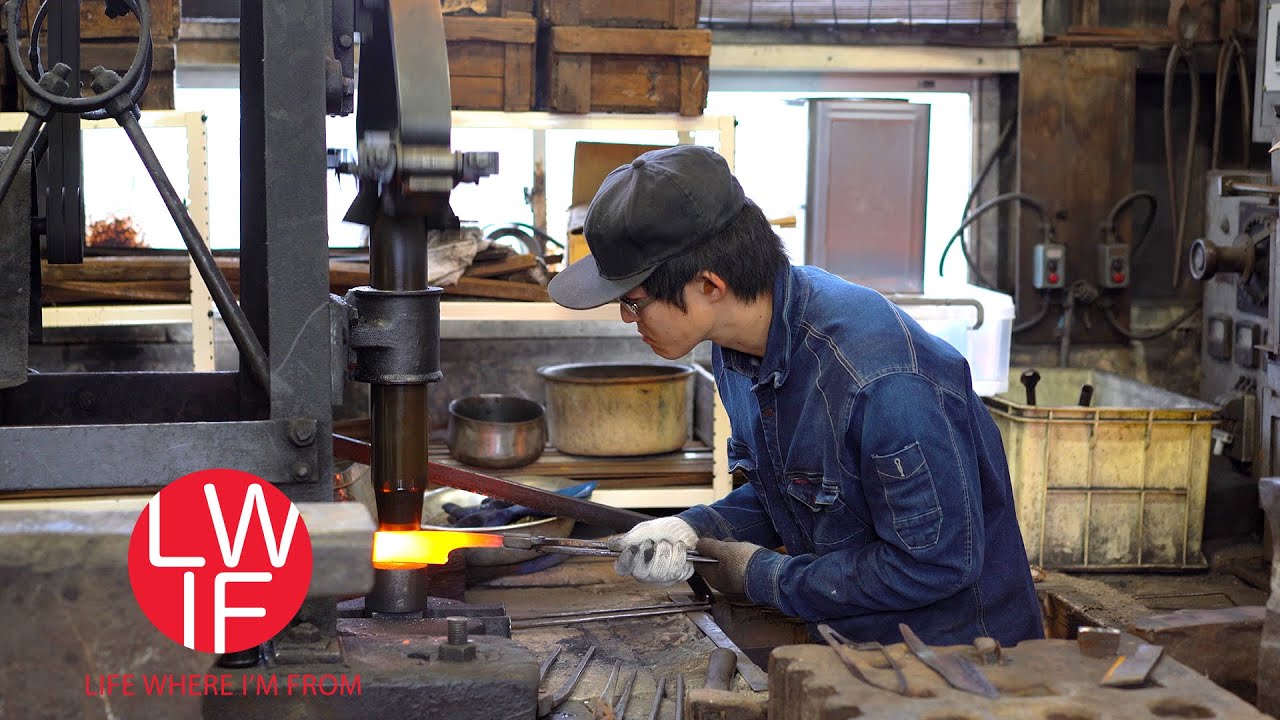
[220,560]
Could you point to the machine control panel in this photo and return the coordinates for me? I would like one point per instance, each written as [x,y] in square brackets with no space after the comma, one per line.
[1113,265]
[1050,266]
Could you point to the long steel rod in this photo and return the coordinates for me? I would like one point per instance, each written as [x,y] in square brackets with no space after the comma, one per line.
[21,146]
[556,622]
[606,611]
[237,324]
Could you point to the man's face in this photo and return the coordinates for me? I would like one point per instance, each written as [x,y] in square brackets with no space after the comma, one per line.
[669,331]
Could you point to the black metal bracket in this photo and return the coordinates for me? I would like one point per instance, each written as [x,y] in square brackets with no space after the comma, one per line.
[395,335]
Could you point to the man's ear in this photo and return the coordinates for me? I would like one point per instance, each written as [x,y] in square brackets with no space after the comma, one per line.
[712,287]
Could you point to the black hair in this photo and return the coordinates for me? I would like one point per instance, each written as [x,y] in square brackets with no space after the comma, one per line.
[747,253]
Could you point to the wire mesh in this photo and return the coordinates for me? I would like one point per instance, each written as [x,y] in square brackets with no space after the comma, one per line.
[855,14]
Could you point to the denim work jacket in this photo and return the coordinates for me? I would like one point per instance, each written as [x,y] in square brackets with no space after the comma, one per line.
[867,455]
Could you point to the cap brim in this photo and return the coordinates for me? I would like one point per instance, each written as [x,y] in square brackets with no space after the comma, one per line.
[581,287]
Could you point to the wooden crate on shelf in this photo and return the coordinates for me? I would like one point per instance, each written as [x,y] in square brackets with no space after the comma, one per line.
[668,14]
[166,16]
[492,8]
[491,61]
[589,69]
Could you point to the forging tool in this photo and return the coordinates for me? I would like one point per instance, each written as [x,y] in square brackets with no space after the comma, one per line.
[960,672]
[844,649]
[548,701]
[572,546]
[614,706]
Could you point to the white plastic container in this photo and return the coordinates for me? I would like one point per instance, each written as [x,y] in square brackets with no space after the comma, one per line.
[952,317]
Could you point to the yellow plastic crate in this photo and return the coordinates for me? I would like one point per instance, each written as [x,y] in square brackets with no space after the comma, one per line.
[1118,485]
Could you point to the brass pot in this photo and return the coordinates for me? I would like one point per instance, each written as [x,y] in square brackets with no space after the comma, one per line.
[617,409]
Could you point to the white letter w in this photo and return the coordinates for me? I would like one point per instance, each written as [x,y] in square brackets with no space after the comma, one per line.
[231,554]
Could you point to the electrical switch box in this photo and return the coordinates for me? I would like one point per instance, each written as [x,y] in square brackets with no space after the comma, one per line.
[1113,265]
[1050,266]
[1266,86]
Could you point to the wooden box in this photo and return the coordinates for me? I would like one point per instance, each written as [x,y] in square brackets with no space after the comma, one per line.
[491,62]
[166,16]
[590,69]
[492,8]
[669,14]
[592,163]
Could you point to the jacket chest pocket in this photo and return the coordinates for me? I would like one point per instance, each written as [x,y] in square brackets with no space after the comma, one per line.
[822,513]
[911,496]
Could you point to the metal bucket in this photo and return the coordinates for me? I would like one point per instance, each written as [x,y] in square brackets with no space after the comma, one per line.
[617,409]
[496,431]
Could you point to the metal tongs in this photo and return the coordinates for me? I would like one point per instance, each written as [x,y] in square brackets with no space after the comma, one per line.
[570,546]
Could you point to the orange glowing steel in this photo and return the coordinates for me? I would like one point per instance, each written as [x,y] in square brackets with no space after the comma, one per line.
[425,547]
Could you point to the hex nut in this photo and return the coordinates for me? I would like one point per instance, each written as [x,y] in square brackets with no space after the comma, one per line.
[457,653]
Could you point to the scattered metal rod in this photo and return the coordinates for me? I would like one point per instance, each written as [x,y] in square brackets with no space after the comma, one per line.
[623,698]
[608,611]
[1239,186]
[578,620]
[657,698]
[679,697]
[1162,596]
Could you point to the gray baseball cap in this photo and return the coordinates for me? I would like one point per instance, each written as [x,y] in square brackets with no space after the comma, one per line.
[660,205]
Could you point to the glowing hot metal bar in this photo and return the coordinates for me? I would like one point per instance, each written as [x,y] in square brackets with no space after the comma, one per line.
[427,547]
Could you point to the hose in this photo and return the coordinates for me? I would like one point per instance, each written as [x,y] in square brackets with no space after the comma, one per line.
[1147,221]
[1027,200]
[1231,50]
[1152,334]
[1005,134]
[1035,319]
[1178,204]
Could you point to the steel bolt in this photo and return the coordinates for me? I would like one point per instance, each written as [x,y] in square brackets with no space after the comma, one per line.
[457,630]
[344,41]
[302,431]
[301,469]
[457,647]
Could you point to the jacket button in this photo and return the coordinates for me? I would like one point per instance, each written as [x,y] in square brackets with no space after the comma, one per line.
[768,412]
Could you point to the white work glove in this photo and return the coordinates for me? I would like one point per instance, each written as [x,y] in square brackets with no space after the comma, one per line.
[654,551]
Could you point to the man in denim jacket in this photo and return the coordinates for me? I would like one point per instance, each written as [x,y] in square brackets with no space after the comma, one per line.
[857,439]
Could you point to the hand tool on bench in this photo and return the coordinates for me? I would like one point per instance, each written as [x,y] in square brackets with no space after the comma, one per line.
[844,649]
[549,701]
[721,666]
[1132,670]
[657,698]
[959,671]
[757,679]
[614,706]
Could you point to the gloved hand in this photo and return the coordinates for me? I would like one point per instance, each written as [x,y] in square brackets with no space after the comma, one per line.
[654,551]
[729,576]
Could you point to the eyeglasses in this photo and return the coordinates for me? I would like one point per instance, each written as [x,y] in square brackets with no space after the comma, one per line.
[635,306]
